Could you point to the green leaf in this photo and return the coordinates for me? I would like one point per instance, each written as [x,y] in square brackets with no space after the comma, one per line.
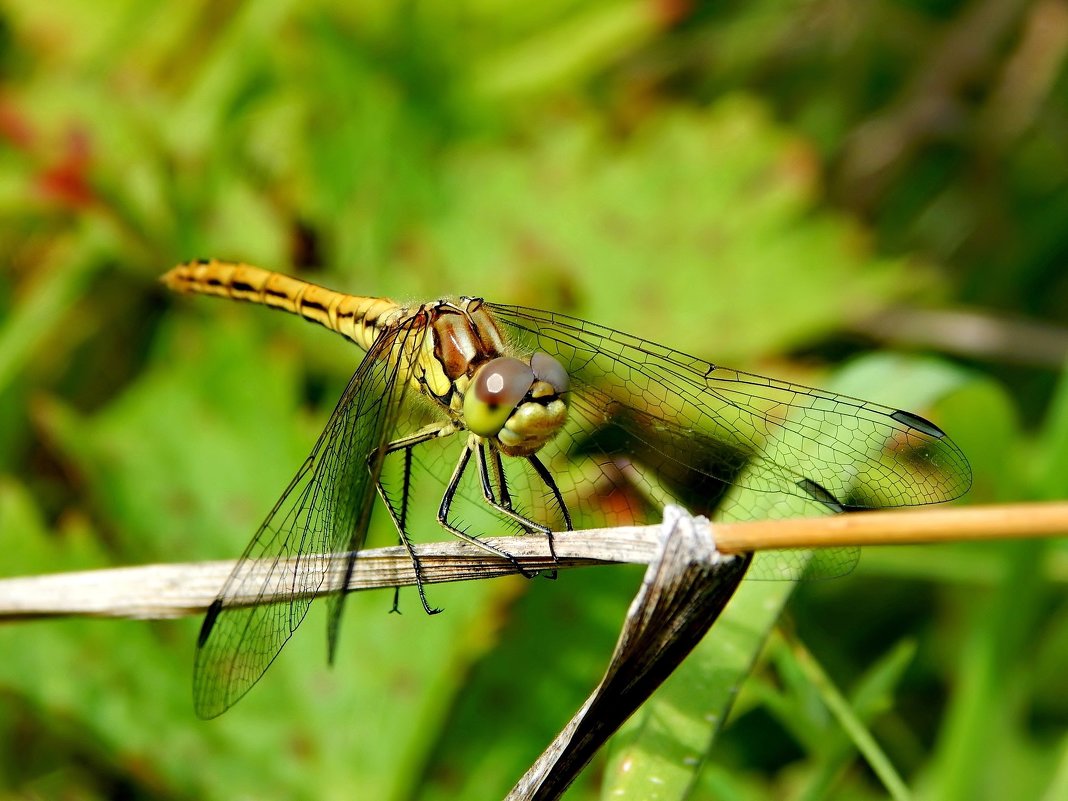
[659,753]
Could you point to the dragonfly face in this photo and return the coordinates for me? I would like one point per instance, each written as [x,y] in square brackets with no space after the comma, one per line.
[538,421]
[518,404]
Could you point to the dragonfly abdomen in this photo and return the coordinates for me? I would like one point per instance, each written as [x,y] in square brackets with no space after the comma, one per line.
[358,318]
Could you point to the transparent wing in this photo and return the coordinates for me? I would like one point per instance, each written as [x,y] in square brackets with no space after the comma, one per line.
[650,424]
[324,511]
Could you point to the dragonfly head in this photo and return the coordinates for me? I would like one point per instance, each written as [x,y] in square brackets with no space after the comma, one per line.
[519,403]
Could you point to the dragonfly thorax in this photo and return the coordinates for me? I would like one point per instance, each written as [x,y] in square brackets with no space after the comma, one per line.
[465,336]
[519,404]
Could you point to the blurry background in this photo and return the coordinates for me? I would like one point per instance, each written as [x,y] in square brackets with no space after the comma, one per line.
[872,197]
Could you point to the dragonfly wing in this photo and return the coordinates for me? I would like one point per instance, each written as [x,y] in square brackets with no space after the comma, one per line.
[671,426]
[324,511]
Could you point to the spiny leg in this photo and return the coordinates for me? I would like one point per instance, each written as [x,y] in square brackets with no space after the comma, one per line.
[505,504]
[498,475]
[406,486]
[446,505]
[406,444]
[550,482]
[405,490]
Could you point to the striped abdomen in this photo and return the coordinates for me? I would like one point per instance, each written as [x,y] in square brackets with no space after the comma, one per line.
[358,318]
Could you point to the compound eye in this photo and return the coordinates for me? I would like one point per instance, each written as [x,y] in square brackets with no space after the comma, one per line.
[496,389]
[549,370]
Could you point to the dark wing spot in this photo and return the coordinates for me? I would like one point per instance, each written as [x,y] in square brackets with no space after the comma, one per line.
[820,493]
[920,424]
[209,622]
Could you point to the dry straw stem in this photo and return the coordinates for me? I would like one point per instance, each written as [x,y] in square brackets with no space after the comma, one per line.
[175,590]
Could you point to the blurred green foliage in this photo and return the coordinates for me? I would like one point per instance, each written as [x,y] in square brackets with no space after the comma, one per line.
[751,182]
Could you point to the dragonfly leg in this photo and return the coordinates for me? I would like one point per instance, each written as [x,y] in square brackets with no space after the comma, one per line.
[504,506]
[498,476]
[400,521]
[550,482]
[405,494]
[446,505]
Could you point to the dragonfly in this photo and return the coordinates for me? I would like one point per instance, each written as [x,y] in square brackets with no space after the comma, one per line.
[536,421]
